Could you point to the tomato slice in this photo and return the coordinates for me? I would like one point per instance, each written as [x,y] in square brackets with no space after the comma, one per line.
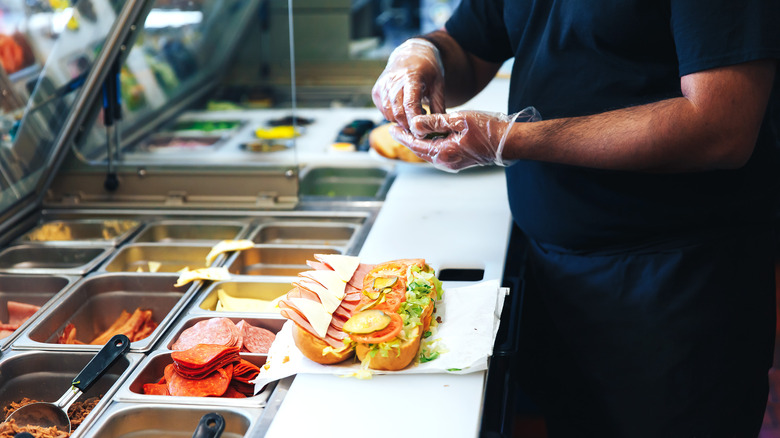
[386,334]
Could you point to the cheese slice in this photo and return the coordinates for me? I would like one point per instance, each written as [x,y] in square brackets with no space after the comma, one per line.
[213,274]
[227,246]
[315,313]
[330,280]
[328,300]
[345,266]
[229,303]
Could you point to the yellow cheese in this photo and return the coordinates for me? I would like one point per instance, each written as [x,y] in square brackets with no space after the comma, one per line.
[313,311]
[228,303]
[213,274]
[227,246]
[345,266]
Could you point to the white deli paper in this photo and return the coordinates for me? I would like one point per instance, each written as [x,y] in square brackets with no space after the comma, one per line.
[469,322]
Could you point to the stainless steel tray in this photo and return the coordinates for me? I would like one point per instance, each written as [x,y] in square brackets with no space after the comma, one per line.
[38,290]
[43,259]
[153,420]
[275,260]
[262,288]
[305,233]
[177,231]
[162,258]
[151,370]
[46,375]
[80,232]
[94,304]
[352,183]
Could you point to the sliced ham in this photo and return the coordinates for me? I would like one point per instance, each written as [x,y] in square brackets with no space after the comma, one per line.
[360,273]
[318,265]
[305,291]
[18,312]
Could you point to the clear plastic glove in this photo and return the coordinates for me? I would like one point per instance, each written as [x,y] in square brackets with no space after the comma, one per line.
[461,139]
[414,75]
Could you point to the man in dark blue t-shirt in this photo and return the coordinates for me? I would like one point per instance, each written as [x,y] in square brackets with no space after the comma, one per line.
[646,194]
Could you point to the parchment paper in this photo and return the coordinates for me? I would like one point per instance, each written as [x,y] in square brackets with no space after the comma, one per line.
[469,323]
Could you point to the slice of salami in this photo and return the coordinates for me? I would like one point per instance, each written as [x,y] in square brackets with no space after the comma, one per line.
[245,371]
[202,355]
[218,331]
[156,389]
[214,385]
[18,312]
[257,339]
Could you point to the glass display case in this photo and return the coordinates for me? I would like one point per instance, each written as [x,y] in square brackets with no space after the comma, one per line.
[136,142]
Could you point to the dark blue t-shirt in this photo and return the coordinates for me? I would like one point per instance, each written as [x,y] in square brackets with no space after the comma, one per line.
[576,58]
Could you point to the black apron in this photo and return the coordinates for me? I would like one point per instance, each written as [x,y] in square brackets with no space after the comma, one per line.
[671,339]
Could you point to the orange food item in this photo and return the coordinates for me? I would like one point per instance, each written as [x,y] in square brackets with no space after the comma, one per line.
[206,370]
[135,326]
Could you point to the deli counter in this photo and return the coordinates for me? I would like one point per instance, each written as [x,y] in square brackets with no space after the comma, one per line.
[142,134]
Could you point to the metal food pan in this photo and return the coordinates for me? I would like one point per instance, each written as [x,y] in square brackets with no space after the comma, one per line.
[134,420]
[96,302]
[275,260]
[273,323]
[81,232]
[46,375]
[356,218]
[239,287]
[345,182]
[151,370]
[38,290]
[190,231]
[64,260]
[305,233]
[146,257]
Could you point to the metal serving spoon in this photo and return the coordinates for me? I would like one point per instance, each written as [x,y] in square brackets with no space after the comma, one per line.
[56,414]
[210,425]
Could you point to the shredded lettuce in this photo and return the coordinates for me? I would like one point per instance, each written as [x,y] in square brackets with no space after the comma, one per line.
[418,288]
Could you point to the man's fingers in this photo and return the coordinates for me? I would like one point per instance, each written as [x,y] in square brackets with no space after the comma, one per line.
[421,148]
[436,99]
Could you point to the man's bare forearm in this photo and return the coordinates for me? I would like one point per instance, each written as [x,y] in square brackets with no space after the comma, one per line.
[713,126]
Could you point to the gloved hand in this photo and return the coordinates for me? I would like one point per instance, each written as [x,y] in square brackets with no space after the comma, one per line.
[461,139]
[414,74]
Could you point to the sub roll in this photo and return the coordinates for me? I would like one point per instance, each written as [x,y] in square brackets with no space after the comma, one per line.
[394,313]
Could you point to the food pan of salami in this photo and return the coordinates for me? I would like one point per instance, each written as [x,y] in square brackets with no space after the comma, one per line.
[21,299]
[43,376]
[140,306]
[203,358]
[76,232]
[124,420]
[246,294]
[180,231]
